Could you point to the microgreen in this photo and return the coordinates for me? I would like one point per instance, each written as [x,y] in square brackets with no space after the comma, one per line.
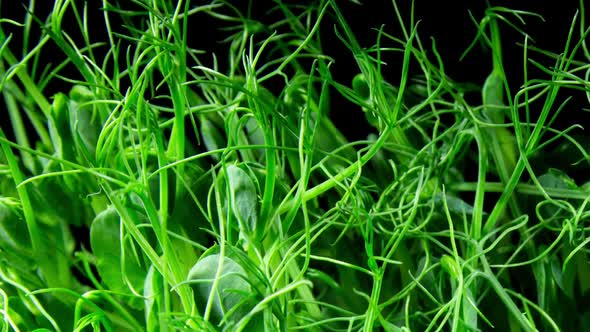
[149,183]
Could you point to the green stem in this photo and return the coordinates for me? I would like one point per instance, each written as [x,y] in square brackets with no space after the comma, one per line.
[496,47]
[520,166]
[178,131]
[20,132]
[503,295]
[29,85]
[269,183]
[502,143]
[525,189]
[332,182]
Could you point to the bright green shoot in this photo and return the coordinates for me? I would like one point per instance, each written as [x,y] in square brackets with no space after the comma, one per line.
[167,187]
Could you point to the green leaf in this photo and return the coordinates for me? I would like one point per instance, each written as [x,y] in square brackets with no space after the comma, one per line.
[84,121]
[113,267]
[564,279]
[449,264]
[243,198]
[48,201]
[360,86]
[255,134]
[49,195]
[469,311]
[493,95]
[14,234]
[231,290]
[152,292]
[59,128]
[81,93]
[455,204]
[212,137]
[554,179]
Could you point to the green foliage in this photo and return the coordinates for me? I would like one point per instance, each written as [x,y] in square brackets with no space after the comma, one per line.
[221,284]
[160,189]
[243,199]
[116,261]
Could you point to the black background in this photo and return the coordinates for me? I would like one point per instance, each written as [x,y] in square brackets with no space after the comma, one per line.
[447,22]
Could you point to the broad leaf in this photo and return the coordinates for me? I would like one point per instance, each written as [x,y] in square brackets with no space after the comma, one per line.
[243,198]
[59,128]
[455,204]
[14,235]
[113,267]
[232,287]
[554,179]
[84,121]
[212,137]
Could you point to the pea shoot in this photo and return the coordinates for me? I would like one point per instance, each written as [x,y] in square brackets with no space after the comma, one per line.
[152,182]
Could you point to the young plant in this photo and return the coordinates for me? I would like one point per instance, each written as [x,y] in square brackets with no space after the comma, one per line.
[150,183]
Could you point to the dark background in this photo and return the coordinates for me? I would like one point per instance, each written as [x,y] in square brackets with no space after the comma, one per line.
[447,22]
[450,25]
